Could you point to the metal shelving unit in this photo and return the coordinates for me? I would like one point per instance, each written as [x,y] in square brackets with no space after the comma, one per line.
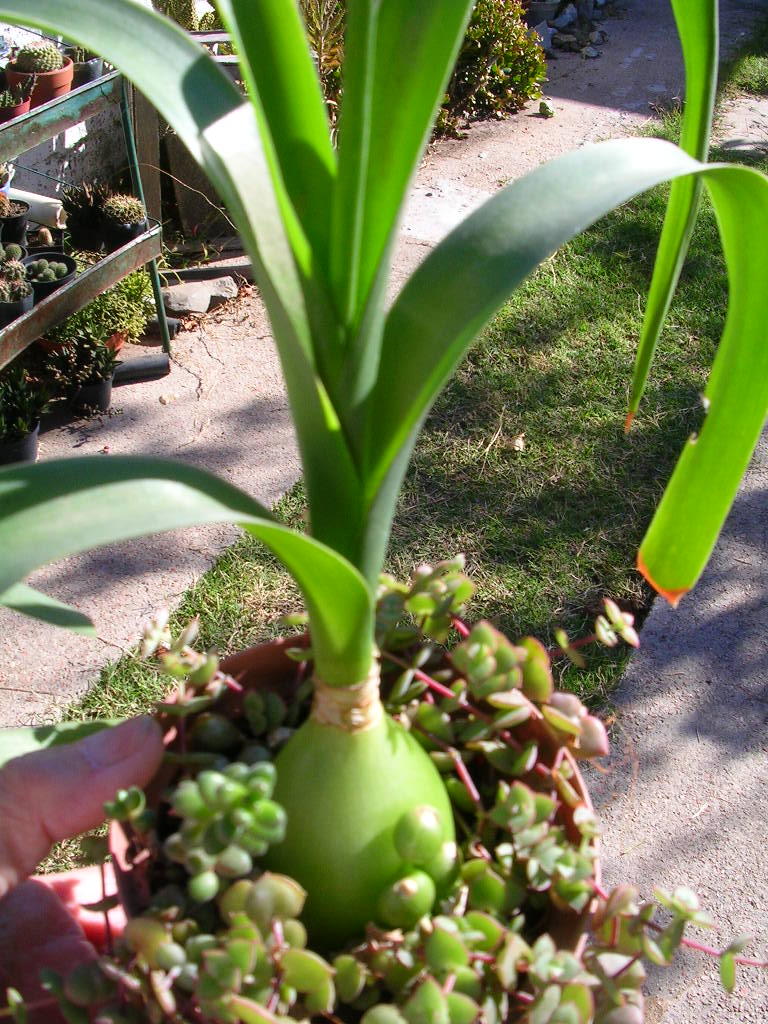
[38,126]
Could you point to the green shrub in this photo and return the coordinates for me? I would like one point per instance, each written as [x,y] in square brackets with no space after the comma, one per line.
[500,66]
[128,306]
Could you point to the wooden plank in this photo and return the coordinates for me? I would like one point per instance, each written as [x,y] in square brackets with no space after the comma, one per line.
[78,293]
[146,130]
[53,118]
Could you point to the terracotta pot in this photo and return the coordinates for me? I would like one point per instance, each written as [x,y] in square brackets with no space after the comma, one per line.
[117,340]
[49,85]
[9,113]
[267,667]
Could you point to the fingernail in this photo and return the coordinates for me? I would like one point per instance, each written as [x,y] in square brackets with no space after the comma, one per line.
[114,744]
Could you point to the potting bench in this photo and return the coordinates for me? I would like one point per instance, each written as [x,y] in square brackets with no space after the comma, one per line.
[38,126]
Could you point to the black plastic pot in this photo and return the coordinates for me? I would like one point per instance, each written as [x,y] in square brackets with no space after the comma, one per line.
[96,396]
[10,311]
[43,289]
[88,71]
[118,235]
[86,236]
[22,449]
[14,228]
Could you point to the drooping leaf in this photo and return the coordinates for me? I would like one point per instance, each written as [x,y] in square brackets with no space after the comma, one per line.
[54,509]
[24,599]
[26,739]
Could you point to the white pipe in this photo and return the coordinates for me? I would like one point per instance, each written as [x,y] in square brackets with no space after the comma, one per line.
[42,209]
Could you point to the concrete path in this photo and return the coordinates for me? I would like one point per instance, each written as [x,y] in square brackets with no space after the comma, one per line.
[685,799]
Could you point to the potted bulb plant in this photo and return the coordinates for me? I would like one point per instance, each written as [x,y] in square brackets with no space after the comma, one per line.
[22,403]
[351,782]
[46,64]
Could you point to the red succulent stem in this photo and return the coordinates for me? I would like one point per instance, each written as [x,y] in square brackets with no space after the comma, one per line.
[461,627]
[458,763]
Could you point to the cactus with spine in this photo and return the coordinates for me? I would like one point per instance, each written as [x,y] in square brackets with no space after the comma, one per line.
[5,205]
[39,58]
[123,209]
[11,252]
[14,291]
[45,271]
[14,270]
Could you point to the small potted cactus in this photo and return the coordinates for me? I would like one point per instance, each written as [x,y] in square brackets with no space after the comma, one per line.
[82,205]
[14,215]
[22,402]
[124,219]
[47,271]
[87,66]
[44,61]
[15,100]
[16,295]
[82,371]
[11,252]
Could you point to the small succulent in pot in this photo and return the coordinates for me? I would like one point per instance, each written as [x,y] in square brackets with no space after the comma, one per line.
[14,215]
[43,270]
[81,371]
[22,402]
[82,205]
[14,101]
[16,295]
[124,219]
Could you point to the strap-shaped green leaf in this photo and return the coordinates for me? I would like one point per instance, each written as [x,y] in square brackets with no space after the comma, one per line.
[697,25]
[705,481]
[399,56]
[21,598]
[274,54]
[467,277]
[58,508]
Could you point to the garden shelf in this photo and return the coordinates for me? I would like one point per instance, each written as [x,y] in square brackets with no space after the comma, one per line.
[38,126]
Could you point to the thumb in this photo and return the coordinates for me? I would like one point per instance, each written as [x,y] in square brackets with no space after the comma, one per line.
[57,793]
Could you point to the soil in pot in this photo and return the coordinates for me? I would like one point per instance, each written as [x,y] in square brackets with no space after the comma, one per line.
[10,311]
[95,396]
[22,449]
[13,227]
[49,85]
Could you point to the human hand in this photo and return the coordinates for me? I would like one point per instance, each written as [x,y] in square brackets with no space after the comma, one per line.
[45,797]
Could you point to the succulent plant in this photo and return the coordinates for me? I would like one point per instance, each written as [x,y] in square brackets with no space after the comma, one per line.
[82,205]
[14,291]
[22,401]
[39,58]
[83,360]
[45,270]
[12,251]
[461,934]
[12,96]
[123,209]
[5,205]
[14,270]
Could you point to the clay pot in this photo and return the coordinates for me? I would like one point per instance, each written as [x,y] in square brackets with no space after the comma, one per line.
[9,113]
[49,85]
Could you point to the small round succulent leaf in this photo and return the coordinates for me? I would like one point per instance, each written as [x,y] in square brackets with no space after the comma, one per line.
[461,1008]
[418,834]
[445,952]
[383,1013]
[537,673]
[427,1005]
[274,895]
[350,977]
[304,970]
